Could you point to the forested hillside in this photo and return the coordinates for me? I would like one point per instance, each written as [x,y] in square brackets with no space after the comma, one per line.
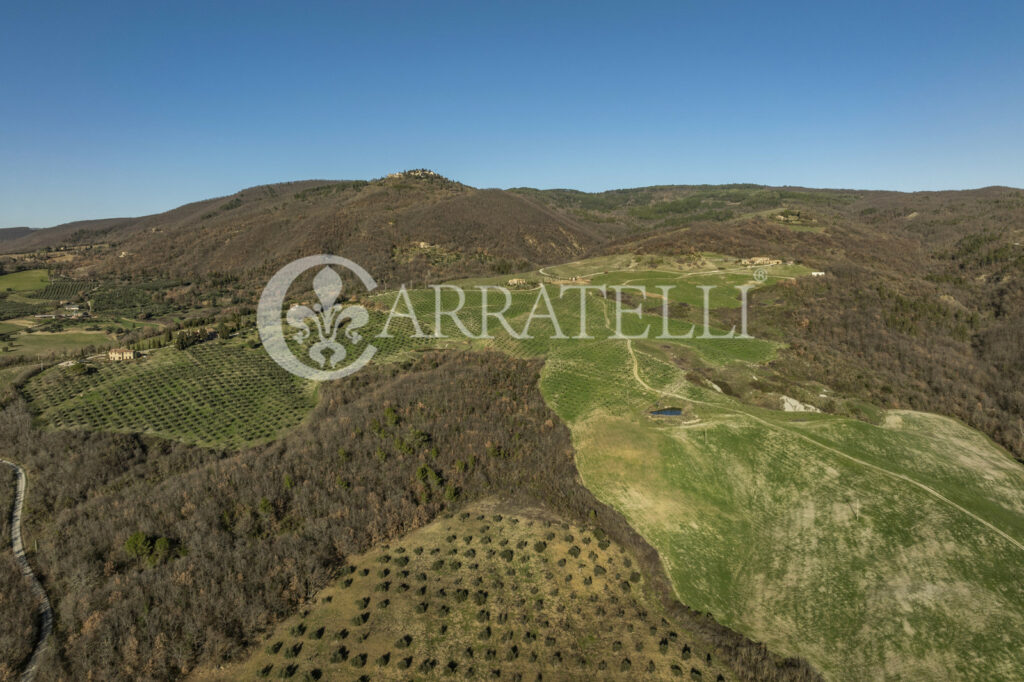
[408,228]
[922,306]
[161,556]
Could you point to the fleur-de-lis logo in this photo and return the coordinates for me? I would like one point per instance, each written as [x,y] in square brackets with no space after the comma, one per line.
[320,323]
[327,317]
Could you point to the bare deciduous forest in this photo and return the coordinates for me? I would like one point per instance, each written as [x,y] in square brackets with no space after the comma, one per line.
[160,556]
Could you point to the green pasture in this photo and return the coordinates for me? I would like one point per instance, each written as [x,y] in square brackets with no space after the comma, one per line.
[873,551]
[42,343]
[25,280]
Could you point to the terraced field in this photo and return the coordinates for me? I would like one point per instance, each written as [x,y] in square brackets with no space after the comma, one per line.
[222,394]
[486,593]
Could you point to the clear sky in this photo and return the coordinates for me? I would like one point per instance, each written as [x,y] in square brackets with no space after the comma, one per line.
[113,109]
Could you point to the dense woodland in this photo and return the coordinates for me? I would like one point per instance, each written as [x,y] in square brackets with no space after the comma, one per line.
[160,556]
[401,229]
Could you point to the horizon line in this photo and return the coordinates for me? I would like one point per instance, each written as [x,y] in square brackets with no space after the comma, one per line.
[511,188]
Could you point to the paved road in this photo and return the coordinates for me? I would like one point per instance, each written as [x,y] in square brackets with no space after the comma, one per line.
[45,611]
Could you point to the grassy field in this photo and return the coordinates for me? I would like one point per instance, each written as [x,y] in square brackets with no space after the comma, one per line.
[44,343]
[649,268]
[486,593]
[130,324]
[599,324]
[221,394]
[26,280]
[10,326]
[591,266]
[874,551]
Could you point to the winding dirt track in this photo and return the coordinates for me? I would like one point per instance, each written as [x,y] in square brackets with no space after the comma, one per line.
[892,474]
[45,610]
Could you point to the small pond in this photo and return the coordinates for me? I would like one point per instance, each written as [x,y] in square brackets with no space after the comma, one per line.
[668,412]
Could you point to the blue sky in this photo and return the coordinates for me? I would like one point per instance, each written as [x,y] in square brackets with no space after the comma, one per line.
[113,109]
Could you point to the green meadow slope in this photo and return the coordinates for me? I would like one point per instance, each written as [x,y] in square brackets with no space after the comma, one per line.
[874,551]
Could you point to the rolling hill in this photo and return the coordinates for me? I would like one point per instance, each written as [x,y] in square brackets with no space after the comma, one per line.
[921,309]
[9,233]
[405,228]
[865,539]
